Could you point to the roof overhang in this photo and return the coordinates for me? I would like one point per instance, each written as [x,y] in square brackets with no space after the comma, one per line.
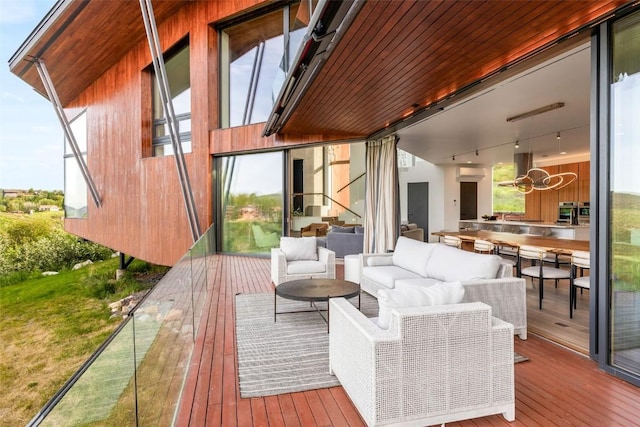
[397,61]
[80,40]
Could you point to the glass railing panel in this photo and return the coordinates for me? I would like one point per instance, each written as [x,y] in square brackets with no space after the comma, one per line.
[102,394]
[137,377]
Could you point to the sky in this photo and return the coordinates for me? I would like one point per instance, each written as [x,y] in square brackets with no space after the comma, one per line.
[31,138]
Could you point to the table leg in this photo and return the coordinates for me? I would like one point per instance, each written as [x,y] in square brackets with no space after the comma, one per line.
[275,308]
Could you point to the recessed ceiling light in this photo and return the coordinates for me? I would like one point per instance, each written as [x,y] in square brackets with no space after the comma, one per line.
[563,152]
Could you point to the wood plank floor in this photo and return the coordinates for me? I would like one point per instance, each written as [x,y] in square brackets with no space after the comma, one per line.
[555,387]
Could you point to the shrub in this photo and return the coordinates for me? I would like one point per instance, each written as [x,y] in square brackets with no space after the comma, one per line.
[56,251]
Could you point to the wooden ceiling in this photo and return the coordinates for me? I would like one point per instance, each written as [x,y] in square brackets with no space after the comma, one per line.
[80,40]
[398,57]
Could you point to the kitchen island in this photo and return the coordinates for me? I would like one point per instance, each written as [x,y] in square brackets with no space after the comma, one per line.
[544,229]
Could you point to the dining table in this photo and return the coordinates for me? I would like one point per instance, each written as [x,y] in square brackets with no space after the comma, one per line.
[550,244]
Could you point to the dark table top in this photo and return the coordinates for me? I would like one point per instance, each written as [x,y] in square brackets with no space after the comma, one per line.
[317,289]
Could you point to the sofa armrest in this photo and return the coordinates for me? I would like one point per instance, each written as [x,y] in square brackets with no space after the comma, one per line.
[278,266]
[328,258]
[506,296]
[363,357]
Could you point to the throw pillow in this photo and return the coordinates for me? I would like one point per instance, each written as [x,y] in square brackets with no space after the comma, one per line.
[358,229]
[416,296]
[299,248]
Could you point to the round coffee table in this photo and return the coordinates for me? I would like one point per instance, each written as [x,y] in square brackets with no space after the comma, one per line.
[314,290]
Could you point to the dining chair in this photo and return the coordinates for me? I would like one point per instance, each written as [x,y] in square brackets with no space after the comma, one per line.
[581,260]
[540,271]
[454,241]
[483,246]
[510,254]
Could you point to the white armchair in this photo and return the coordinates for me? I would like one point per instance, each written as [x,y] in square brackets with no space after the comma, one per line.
[433,365]
[301,258]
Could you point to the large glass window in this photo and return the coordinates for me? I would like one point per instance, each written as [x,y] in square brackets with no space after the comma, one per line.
[327,186]
[255,57]
[177,67]
[251,200]
[75,187]
[505,199]
[625,196]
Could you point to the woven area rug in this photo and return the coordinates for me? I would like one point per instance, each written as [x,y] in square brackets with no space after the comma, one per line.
[291,354]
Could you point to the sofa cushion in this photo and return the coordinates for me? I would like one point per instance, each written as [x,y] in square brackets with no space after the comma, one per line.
[449,264]
[387,275]
[305,267]
[423,281]
[358,229]
[412,255]
[299,248]
[416,296]
[376,261]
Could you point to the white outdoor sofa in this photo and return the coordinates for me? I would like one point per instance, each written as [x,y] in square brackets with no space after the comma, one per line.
[485,278]
[433,365]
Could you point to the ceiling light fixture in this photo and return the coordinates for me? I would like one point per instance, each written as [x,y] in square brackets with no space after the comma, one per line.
[517,144]
[477,154]
[536,111]
[558,135]
[453,158]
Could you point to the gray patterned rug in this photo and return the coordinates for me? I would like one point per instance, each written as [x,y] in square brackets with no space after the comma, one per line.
[291,354]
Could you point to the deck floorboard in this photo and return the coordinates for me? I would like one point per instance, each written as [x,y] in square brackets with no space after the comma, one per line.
[556,386]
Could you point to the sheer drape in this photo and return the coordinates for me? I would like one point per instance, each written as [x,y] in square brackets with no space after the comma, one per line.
[382,208]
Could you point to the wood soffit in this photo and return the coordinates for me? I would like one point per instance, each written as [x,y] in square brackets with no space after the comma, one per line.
[385,70]
[420,53]
[84,40]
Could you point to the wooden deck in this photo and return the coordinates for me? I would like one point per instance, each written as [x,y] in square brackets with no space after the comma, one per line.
[555,387]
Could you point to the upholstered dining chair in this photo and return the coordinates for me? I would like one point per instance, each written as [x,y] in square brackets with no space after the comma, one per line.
[301,258]
[454,241]
[579,260]
[540,271]
[483,246]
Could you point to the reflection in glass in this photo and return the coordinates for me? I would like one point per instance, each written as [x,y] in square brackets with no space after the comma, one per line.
[625,196]
[75,187]
[250,187]
[327,185]
[255,57]
[178,70]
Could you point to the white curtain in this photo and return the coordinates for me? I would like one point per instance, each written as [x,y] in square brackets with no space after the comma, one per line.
[382,207]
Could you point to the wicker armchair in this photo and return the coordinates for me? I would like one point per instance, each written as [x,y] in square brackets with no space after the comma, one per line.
[433,365]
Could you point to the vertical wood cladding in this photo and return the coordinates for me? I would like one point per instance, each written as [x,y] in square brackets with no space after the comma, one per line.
[143,213]
[543,205]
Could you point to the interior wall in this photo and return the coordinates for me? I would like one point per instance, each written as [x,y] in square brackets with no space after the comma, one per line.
[451,197]
[424,171]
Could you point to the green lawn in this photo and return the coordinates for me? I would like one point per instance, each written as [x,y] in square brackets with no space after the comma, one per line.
[48,327]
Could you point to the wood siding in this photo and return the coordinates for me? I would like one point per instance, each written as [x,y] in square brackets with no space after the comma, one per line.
[543,205]
[143,212]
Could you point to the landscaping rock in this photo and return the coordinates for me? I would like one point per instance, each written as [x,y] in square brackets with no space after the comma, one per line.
[82,264]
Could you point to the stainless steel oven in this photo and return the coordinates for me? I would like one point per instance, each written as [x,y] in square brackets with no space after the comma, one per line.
[568,213]
[584,213]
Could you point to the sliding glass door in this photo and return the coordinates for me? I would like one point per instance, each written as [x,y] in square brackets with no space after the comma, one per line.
[250,198]
[624,219]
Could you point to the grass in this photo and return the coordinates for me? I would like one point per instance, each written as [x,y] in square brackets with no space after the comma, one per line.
[49,326]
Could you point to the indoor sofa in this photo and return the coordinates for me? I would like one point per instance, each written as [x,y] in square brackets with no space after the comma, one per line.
[485,278]
[345,240]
